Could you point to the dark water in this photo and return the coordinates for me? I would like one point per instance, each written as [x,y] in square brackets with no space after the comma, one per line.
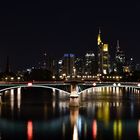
[40,114]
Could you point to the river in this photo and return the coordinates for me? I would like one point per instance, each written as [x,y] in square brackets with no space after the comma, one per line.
[40,114]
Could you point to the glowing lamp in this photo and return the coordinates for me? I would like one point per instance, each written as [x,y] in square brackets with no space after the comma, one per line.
[114,84]
[119,84]
[94,84]
[30,84]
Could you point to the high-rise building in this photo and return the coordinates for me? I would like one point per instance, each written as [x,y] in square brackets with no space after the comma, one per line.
[131,64]
[60,67]
[120,59]
[90,67]
[79,65]
[103,56]
[48,63]
[68,65]
[119,56]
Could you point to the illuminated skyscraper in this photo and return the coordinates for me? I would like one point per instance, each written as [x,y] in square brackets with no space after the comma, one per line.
[79,65]
[68,64]
[120,56]
[60,67]
[90,64]
[120,59]
[103,56]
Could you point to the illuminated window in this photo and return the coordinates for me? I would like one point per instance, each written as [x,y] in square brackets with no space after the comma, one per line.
[104,71]
[105,47]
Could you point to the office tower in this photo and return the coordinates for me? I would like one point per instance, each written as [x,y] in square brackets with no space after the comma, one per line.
[68,65]
[103,56]
[131,64]
[60,66]
[79,65]
[119,56]
[90,64]
[48,63]
[120,59]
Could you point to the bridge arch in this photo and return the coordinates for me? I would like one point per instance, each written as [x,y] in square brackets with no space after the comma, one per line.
[103,86]
[35,86]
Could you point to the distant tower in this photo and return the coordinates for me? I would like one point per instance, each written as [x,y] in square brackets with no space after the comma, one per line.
[103,56]
[99,41]
[79,65]
[48,62]
[119,59]
[118,46]
[7,69]
[119,56]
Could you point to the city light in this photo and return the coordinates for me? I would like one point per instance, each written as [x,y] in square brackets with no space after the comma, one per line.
[94,84]
[114,84]
[53,77]
[119,84]
[105,47]
[70,70]
[18,78]
[30,84]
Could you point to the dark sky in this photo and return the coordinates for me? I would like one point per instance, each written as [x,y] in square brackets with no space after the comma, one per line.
[28,30]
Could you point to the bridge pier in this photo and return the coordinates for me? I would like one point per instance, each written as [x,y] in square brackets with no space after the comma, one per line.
[74,102]
[74,97]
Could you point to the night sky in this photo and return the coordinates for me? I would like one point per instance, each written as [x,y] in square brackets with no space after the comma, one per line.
[28,30]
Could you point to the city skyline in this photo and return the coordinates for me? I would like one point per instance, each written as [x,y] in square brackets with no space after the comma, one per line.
[70,70]
[29,30]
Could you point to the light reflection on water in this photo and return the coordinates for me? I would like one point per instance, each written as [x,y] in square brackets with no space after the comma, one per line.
[104,113]
[29,130]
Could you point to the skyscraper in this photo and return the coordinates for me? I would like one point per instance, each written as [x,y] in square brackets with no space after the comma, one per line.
[48,63]
[119,56]
[119,59]
[79,65]
[103,56]
[90,64]
[68,64]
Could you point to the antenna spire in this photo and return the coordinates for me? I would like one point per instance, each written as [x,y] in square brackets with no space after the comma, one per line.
[99,41]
